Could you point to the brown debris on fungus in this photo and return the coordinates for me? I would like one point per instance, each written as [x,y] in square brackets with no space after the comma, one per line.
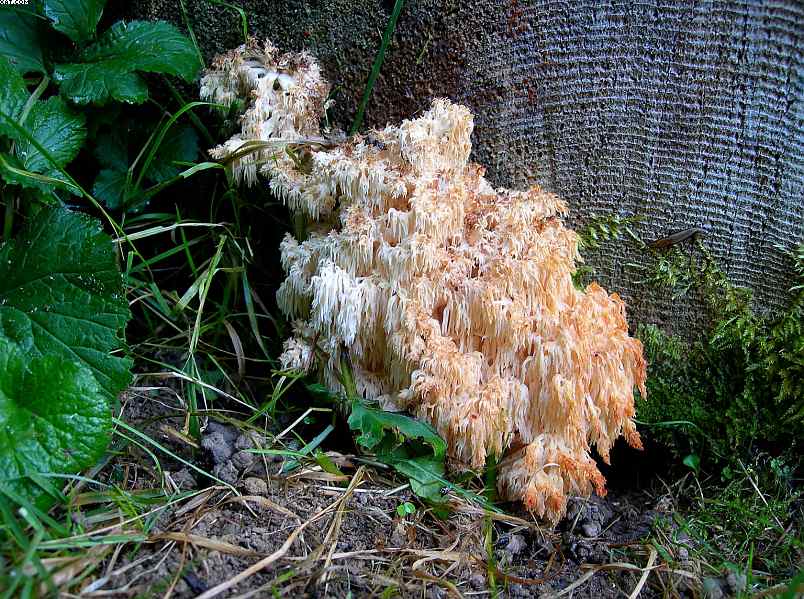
[454,300]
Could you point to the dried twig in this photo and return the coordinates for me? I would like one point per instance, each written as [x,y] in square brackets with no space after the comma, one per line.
[575,584]
[645,573]
[761,496]
[263,502]
[205,542]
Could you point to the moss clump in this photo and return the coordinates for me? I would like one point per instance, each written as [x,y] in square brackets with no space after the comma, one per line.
[739,389]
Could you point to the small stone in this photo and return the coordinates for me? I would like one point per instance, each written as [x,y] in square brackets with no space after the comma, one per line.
[737,582]
[227,472]
[197,586]
[255,486]
[590,529]
[184,479]
[398,536]
[683,554]
[243,460]
[218,446]
[477,581]
[435,592]
[516,545]
[712,589]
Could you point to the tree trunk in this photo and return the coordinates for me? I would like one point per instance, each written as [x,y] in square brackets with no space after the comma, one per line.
[688,114]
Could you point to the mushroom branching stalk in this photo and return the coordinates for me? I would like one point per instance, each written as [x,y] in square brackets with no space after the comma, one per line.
[455,299]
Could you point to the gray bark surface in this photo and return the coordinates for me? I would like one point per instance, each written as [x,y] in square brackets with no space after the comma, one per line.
[690,114]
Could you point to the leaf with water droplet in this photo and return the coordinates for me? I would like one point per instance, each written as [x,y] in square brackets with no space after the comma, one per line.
[54,418]
[109,68]
[13,95]
[77,19]
[84,323]
[22,39]
[57,128]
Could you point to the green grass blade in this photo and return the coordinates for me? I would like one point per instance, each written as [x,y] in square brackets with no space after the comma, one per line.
[160,136]
[240,11]
[191,32]
[375,69]
[308,449]
[252,315]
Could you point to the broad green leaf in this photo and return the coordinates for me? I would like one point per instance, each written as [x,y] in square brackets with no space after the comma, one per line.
[111,148]
[382,431]
[412,447]
[13,96]
[426,475]
[693,462]
[54,417]
[108,69]
[21,39]
[51,124]
[180,145]
[110,188]
[61,293]
[57,128]
[12,171]
[75,18]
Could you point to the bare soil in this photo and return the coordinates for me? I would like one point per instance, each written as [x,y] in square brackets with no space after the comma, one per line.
[317,534]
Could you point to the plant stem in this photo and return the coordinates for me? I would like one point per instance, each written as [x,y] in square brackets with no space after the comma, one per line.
[26,110]
[375,70]
[193,118]
[8,221]
[240,11]
[190,31]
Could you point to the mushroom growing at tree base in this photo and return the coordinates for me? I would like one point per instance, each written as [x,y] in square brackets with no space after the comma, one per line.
[454,300]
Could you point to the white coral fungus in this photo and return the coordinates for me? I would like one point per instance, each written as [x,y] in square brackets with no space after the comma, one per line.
[455,300]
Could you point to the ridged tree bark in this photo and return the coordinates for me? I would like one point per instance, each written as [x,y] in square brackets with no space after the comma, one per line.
[690,114]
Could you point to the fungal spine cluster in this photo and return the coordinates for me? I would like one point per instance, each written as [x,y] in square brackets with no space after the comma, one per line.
[454,300]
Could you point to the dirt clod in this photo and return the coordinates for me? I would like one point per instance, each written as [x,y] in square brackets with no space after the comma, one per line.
[399,535]
[183,479]
[227,472]
[250,440]
[712,589]
[255,486]
[736,582]
[218,445]
[477,581]
[243,460]
[516,545]
[590,529]
[229,433]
